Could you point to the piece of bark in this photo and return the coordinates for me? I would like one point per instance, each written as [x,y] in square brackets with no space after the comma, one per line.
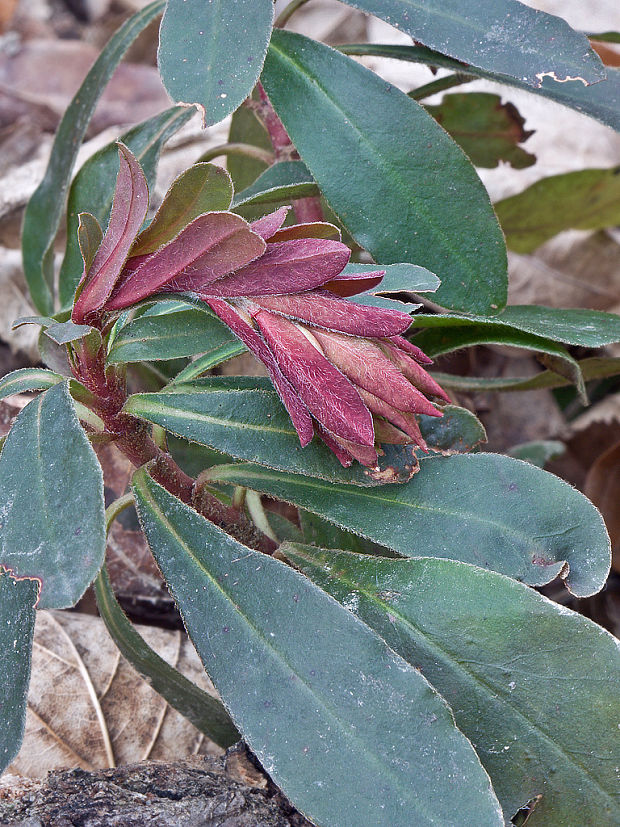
[200,792]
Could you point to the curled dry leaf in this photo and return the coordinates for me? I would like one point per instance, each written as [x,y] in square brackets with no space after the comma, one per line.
[88,708]
[602,486]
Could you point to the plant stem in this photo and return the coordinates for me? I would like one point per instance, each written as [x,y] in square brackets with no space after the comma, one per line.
[287,12]
[238,149]
[440,85]
[306,209]
[132,436]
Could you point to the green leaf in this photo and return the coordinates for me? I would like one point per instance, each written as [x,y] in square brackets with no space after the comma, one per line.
[284,181]
[604,37]
[200,189]
[312,689]
[215,356]
[399,278]
[593,368]
[49,472]
[28,379]
[486,129]
[45,208]
[242,416]
[185,332]
[456,432]
[18,598]
[588,199]
[90,236]
[246,128]
[586,328]
[204,711]
[64,332]
[448,339]
[538,452]
[211,54]
[498,35]
[489,510]
[321,532]
[506,659]
[385,167]
[600,101]
[93,187]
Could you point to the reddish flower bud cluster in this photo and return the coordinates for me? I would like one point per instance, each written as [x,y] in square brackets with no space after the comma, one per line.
[342,369]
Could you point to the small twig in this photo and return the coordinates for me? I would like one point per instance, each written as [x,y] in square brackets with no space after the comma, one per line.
[238,149]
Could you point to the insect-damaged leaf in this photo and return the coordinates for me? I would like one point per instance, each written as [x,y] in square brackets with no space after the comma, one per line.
[489,510]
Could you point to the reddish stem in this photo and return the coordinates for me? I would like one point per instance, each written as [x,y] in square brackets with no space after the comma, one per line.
[132,437]
[306,209]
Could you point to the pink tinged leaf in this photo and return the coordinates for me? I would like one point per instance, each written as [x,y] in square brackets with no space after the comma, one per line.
[346,451]
[333,313]
[129,208]
[298,412]
[387,433]
[367,366]
[414,372]
[350,284]
[213,245]
[328,395]
[312,229]
[403,421]
[266,226]
[289,267]
[413,351]
[343,457]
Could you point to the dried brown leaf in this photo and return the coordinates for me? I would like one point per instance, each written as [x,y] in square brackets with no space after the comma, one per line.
[602,486]
[88,708]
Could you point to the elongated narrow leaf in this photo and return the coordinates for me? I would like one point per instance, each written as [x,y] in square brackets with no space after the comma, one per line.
[215,356]
[486,129]
[393,177]
[46,206]
[588,199]
[489,510]
[18,598]
[498,35]
[183,333]
[600,101]
[28,379]
[203,710]
[201,188]
[594,368]
[398,278]
[93,187]
[211,54]
[242,416]
[448,339]
[587,328]
[129,208]
[281,182]
[506,659]
[51,498]
[310,687]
